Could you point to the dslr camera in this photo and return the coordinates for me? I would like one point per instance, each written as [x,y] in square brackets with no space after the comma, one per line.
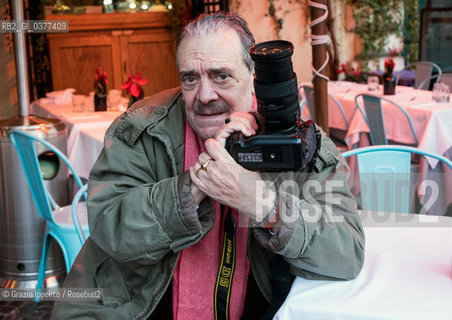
[283,141]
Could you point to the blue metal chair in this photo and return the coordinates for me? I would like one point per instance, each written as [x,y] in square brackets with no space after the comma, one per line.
[443,78]
[332,101]
[78,208]
[373,115]
[309,102]
[424,71]
[59,222]
[384,175]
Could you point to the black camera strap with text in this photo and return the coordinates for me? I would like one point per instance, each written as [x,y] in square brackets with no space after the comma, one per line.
[223,285]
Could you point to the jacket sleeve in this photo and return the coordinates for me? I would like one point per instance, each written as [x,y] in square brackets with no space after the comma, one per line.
[133,212]
[319,232]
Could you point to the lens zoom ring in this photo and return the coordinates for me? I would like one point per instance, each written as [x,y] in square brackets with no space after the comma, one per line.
[276,90]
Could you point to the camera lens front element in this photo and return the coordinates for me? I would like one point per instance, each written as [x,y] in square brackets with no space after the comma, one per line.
[275,84]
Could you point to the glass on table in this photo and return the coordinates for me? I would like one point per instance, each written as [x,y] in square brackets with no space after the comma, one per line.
[78,102]
[372,83]
[440,92]
[90,102]
[114,100]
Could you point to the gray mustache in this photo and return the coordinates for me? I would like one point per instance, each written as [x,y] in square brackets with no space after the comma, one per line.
[213,107]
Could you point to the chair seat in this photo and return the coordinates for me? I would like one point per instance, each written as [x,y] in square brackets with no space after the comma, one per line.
[63,218]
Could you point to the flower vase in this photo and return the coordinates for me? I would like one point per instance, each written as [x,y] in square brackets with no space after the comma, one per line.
[389,84]
[100,102]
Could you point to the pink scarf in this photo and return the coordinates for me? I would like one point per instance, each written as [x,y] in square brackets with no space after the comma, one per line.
[196,271]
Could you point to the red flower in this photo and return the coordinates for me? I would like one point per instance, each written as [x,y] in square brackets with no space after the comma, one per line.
[389,65]
[101,76]
[133,85]
[343,69]
[100,83]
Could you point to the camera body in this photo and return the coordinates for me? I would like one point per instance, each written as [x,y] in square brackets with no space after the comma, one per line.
[283,141]
[275,151]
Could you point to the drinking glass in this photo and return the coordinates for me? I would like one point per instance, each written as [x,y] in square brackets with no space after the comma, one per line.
[90,102]
[445,92]
[114,99]
[440,92]
[78,102]
[372,83]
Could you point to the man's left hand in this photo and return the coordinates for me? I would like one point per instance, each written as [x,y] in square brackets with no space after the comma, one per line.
[225,181]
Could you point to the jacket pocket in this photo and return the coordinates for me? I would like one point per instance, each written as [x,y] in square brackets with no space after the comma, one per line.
[108,278]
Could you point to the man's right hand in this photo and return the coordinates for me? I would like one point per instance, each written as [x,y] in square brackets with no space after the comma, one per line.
[239,121]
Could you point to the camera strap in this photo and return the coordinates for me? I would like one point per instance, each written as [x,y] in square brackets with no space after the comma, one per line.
[223,285]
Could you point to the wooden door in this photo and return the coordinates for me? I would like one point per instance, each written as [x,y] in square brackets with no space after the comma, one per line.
[149,52]
[75,58]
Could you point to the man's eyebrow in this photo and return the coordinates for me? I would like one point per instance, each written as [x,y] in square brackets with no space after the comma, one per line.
[220,70]
[188,73]
[193,73]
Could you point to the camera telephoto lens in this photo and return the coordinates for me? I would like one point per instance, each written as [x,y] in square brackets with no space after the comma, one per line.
[275,84]
[283,141]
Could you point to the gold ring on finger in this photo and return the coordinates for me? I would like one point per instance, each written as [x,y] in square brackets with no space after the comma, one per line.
[197,171]
[205,163]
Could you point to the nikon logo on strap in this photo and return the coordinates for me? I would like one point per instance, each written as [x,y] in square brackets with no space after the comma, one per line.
[225,276]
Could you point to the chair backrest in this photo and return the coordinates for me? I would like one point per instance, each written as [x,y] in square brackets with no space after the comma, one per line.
[447,79]
[25,145]
[424,71]
[76,206]
[339,106]
[309,101]
[373,115]
[384,175]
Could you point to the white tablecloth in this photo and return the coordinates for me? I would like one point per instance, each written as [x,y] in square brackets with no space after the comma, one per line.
[432,121]
[407,274]
[86,131]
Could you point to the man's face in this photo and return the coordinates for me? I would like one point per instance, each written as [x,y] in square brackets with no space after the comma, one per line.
[214,79]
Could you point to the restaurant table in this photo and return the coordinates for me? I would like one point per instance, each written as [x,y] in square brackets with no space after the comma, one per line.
[407,274]
[86,131]
[432,122]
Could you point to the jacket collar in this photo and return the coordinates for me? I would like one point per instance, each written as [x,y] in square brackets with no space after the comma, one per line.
[146,115]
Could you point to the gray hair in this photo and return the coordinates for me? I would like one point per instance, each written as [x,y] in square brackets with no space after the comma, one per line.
[209,22]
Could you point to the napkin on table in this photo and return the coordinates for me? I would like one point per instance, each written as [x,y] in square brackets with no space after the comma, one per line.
[61,96]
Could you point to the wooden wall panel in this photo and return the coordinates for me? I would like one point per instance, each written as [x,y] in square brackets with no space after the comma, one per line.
[118,46]
[151,54]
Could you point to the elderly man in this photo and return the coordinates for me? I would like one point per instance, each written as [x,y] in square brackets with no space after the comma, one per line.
[178,228]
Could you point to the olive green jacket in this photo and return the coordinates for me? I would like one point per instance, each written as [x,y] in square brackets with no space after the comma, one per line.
[142,214]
